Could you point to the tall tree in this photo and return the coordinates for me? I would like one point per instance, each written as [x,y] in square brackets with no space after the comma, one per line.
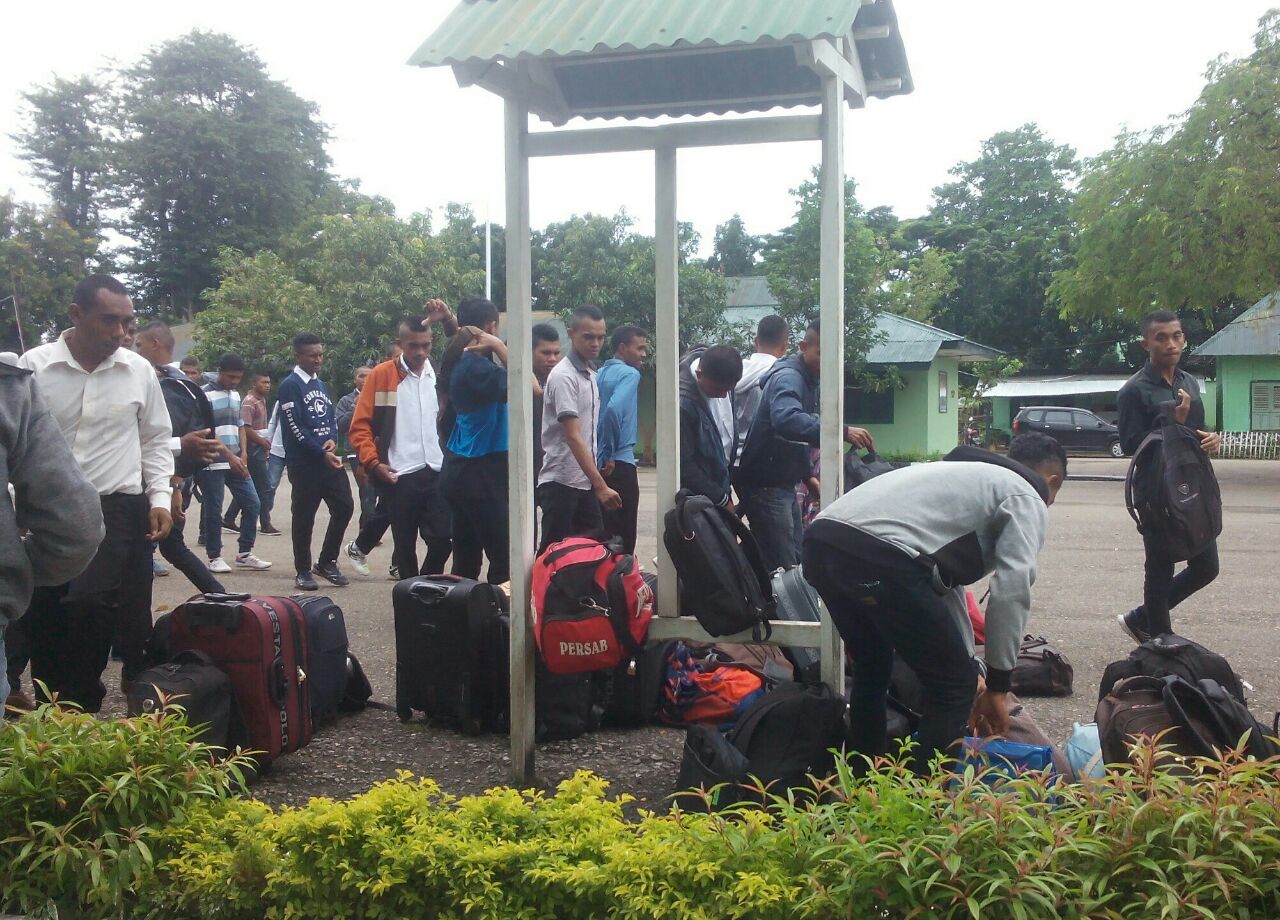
[734,250]
[63,138]
[1187,216]
[42,258]
[1005,224]
[792,259]
[212,154]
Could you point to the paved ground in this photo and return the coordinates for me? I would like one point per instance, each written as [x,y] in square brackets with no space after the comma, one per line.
[1090,570]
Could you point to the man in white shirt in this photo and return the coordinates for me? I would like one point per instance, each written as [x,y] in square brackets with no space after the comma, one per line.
[109,406]
[733,417]
[394,433]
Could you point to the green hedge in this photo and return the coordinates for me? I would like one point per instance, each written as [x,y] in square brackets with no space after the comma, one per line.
[1141,843]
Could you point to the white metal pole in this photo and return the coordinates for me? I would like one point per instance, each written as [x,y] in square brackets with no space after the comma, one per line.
[520,433]
[832,317]
[667,342]
[488,251]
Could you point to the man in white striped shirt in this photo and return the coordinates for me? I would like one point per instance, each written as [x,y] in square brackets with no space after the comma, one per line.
[109,407]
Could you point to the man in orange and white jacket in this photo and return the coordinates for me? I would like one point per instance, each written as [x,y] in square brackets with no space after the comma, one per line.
[394,434]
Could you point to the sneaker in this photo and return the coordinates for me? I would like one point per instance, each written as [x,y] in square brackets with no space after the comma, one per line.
[230,526]
[1133,624]
[304,582]
[330,572]
[359,561]
[159,569]
[218,566]
[393,573]
[270,531]
[250,561]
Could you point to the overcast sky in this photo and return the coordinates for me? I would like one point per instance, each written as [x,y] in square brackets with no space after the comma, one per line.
[1083,70]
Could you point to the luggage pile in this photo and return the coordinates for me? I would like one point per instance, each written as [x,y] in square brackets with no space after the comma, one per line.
[257,673]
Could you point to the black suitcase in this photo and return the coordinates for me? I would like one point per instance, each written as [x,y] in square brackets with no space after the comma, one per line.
[326,654]
[200,687]
[451,652]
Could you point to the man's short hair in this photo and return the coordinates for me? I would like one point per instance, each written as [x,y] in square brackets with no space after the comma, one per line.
[189,361]
[478,312]
[86,292]
[814,326]
[159,330]
[772,330]
[1158,316]
[544,332]
[588,311]
[625,335]
[722,364]
[231,362]
[260,373]
[303,339]
[413,324]
[1034,449]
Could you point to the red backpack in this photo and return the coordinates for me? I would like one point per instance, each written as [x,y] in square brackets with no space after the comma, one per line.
[591,606]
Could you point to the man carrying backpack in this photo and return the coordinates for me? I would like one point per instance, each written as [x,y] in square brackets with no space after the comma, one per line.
[1162,388]
[891,560]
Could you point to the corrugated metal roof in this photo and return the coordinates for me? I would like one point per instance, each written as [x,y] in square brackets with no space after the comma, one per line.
[644,58]
[749,291]
[905,341]
[1256,331]
[1069,385]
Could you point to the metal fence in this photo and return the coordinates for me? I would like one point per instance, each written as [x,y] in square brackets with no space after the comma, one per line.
[1250,445]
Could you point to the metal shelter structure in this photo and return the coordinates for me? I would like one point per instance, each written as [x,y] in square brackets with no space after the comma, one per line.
[564,59]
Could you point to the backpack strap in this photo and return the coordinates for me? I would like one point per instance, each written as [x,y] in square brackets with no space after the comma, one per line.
[1186,701]
[1147,445]
[193,656]
[619,606]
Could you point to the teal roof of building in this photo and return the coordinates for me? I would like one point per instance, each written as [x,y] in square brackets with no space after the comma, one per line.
[644,58]
[1256,331]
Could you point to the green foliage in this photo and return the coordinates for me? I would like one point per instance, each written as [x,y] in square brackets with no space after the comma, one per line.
[348,277]
[1145,841]
[735,250]
[1187,216]
[793,261]
[212,154]
[83,803]
[42,258]
[600,260]
[64,140]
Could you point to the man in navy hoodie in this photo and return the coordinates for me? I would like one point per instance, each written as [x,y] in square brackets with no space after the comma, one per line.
[315,469]
[775,457]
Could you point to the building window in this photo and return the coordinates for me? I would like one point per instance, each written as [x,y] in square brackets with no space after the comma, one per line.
[868,407]
[1266,405]
[942,391]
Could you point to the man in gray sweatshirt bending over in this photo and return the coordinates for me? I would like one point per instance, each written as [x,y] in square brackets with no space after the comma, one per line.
[891,560]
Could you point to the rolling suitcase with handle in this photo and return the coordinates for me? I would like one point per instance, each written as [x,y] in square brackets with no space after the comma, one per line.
[326,654]
[261,644]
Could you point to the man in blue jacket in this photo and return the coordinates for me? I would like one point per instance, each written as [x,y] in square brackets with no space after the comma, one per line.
[315,469]
[706,374]
[775,458]
[619,384]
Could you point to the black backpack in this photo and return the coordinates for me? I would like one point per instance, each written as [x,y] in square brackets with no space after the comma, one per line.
[858,469]
[782,740]
[1192,718]
[1170,654]
[722,576]
[1171,490]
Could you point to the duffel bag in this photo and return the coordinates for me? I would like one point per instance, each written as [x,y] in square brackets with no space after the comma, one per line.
[202,689]
[1171,654]
[1041,669]
[694,693]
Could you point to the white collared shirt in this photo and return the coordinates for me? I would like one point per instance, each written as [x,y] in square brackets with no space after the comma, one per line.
[114,419]
[415,443]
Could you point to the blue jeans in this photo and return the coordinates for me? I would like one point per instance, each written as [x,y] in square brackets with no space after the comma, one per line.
[774,516]
[212,483]
[275,472]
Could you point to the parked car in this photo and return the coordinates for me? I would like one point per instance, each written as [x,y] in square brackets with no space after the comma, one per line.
[1074,429]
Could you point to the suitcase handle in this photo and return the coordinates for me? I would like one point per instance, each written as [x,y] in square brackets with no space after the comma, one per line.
[236,598]
[278,686]
[212,614]
[429,590]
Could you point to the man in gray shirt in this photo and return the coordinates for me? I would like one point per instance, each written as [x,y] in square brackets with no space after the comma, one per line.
[891,560]
[50,518]
[571,489]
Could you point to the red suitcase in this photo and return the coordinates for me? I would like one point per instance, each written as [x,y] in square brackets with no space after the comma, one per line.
[261,643]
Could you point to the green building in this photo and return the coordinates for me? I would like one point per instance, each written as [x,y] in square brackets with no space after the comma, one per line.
[1247,353]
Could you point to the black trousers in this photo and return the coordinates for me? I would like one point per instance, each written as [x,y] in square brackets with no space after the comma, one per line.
[567,512]
[68,628]
[881,612]
[1162,590]
[174,549]
[624,480]
[475,489]
[312,485]
[416,509]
